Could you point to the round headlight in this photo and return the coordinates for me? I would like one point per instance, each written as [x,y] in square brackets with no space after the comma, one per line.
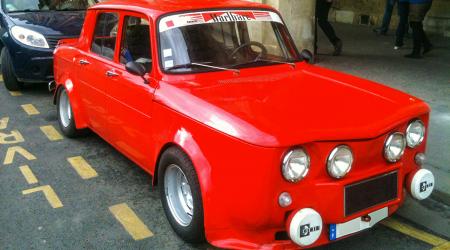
[415,133]
[295,165]
[394,147]
[340,161]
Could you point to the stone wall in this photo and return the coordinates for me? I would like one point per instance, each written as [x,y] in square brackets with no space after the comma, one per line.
[370,12]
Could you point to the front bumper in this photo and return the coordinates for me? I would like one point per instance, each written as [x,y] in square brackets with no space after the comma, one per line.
[30,64]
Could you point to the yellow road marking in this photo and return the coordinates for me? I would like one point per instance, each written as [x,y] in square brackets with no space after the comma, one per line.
[51,133]
[445,246]
[30,109]
[130,221]
[4,122]
[28,174]
[15,93]
[9,159]
[413,232]
[49,193]
[1,78]
[82,167]
[12,138]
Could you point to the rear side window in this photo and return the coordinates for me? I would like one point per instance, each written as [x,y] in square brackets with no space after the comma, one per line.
[105,34]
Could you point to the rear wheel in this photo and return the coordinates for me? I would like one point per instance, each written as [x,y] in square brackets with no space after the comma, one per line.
[11,82]
[65,114]
[181,196]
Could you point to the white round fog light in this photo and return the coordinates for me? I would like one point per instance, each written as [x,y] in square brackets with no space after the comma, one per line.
[394,147]
[305,227]
[285,199]
[422,184]
[340,162]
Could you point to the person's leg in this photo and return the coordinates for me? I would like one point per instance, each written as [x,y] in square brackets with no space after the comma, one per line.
[417,15]
[403,11]
[417,40]
[322,10]
[427,46]
[387,16]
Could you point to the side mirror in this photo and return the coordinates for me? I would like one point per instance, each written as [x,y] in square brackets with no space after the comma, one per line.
[307,56]
[135,68]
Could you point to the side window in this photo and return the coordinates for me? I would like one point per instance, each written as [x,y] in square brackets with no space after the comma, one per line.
[105,34]
[135,44]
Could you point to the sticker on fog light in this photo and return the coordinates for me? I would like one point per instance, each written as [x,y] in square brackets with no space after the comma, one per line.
[306,230]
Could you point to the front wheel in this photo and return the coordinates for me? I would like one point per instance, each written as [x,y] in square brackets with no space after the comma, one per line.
[11,82]
[181,196]
[65,114]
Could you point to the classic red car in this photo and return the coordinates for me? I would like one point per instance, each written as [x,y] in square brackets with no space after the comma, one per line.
[252,146]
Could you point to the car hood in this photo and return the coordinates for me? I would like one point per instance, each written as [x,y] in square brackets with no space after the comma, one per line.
[286,107]
[51,23]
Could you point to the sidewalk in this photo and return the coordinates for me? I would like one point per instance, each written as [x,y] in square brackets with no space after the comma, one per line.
[373,57]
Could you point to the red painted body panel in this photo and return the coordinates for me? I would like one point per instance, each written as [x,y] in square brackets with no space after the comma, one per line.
[237,127]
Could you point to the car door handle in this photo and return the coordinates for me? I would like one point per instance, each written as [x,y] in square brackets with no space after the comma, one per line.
[84,62]
[111,73]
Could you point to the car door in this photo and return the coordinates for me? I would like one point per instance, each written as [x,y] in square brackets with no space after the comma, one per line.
[95,70]
[130,96]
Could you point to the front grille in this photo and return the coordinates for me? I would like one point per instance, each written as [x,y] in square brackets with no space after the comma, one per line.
[369,193]
[53,40]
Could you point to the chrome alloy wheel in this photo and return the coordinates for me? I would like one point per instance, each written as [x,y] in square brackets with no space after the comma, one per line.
[178,194]
[65,111]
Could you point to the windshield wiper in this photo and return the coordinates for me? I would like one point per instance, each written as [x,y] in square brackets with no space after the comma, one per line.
[265,60]
[70,9]
[24,10]
[189,65]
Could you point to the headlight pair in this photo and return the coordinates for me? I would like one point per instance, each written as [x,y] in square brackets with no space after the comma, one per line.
[396,143]
[296,163]
[29,37]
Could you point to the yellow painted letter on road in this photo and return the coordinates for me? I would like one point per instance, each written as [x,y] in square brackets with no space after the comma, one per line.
[49,193]
[11,138]
[4,122]
[9,158]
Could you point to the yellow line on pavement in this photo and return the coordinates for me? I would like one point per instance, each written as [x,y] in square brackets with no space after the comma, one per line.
[28,174]
[15,93]
[1,78]
[82,167]
[445,246]
[30,109]
[4,122]
[51,133]
[413,232]
[12,151]
[49,193]
[130,221]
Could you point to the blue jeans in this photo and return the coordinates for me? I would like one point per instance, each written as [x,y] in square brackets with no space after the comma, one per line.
[387,15]
[402,29]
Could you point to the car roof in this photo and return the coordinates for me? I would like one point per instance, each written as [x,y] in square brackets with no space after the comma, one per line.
[155,8]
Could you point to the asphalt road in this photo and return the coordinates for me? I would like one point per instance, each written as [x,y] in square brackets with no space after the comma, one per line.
[50,202]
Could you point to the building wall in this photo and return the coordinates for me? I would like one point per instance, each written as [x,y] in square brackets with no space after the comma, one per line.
[352,11]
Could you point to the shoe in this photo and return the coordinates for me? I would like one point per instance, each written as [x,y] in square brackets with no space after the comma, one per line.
[380,31]
[427,49]
[414,56]
[337,48]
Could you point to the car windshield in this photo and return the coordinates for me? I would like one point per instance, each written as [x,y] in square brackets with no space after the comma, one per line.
[220,40]
[11,6]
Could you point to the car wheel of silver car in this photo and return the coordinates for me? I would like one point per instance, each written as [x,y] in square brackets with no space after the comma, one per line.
[65,114]
[181,196]
[11,82]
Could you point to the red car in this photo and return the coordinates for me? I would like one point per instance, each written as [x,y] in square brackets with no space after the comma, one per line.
[252,146]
